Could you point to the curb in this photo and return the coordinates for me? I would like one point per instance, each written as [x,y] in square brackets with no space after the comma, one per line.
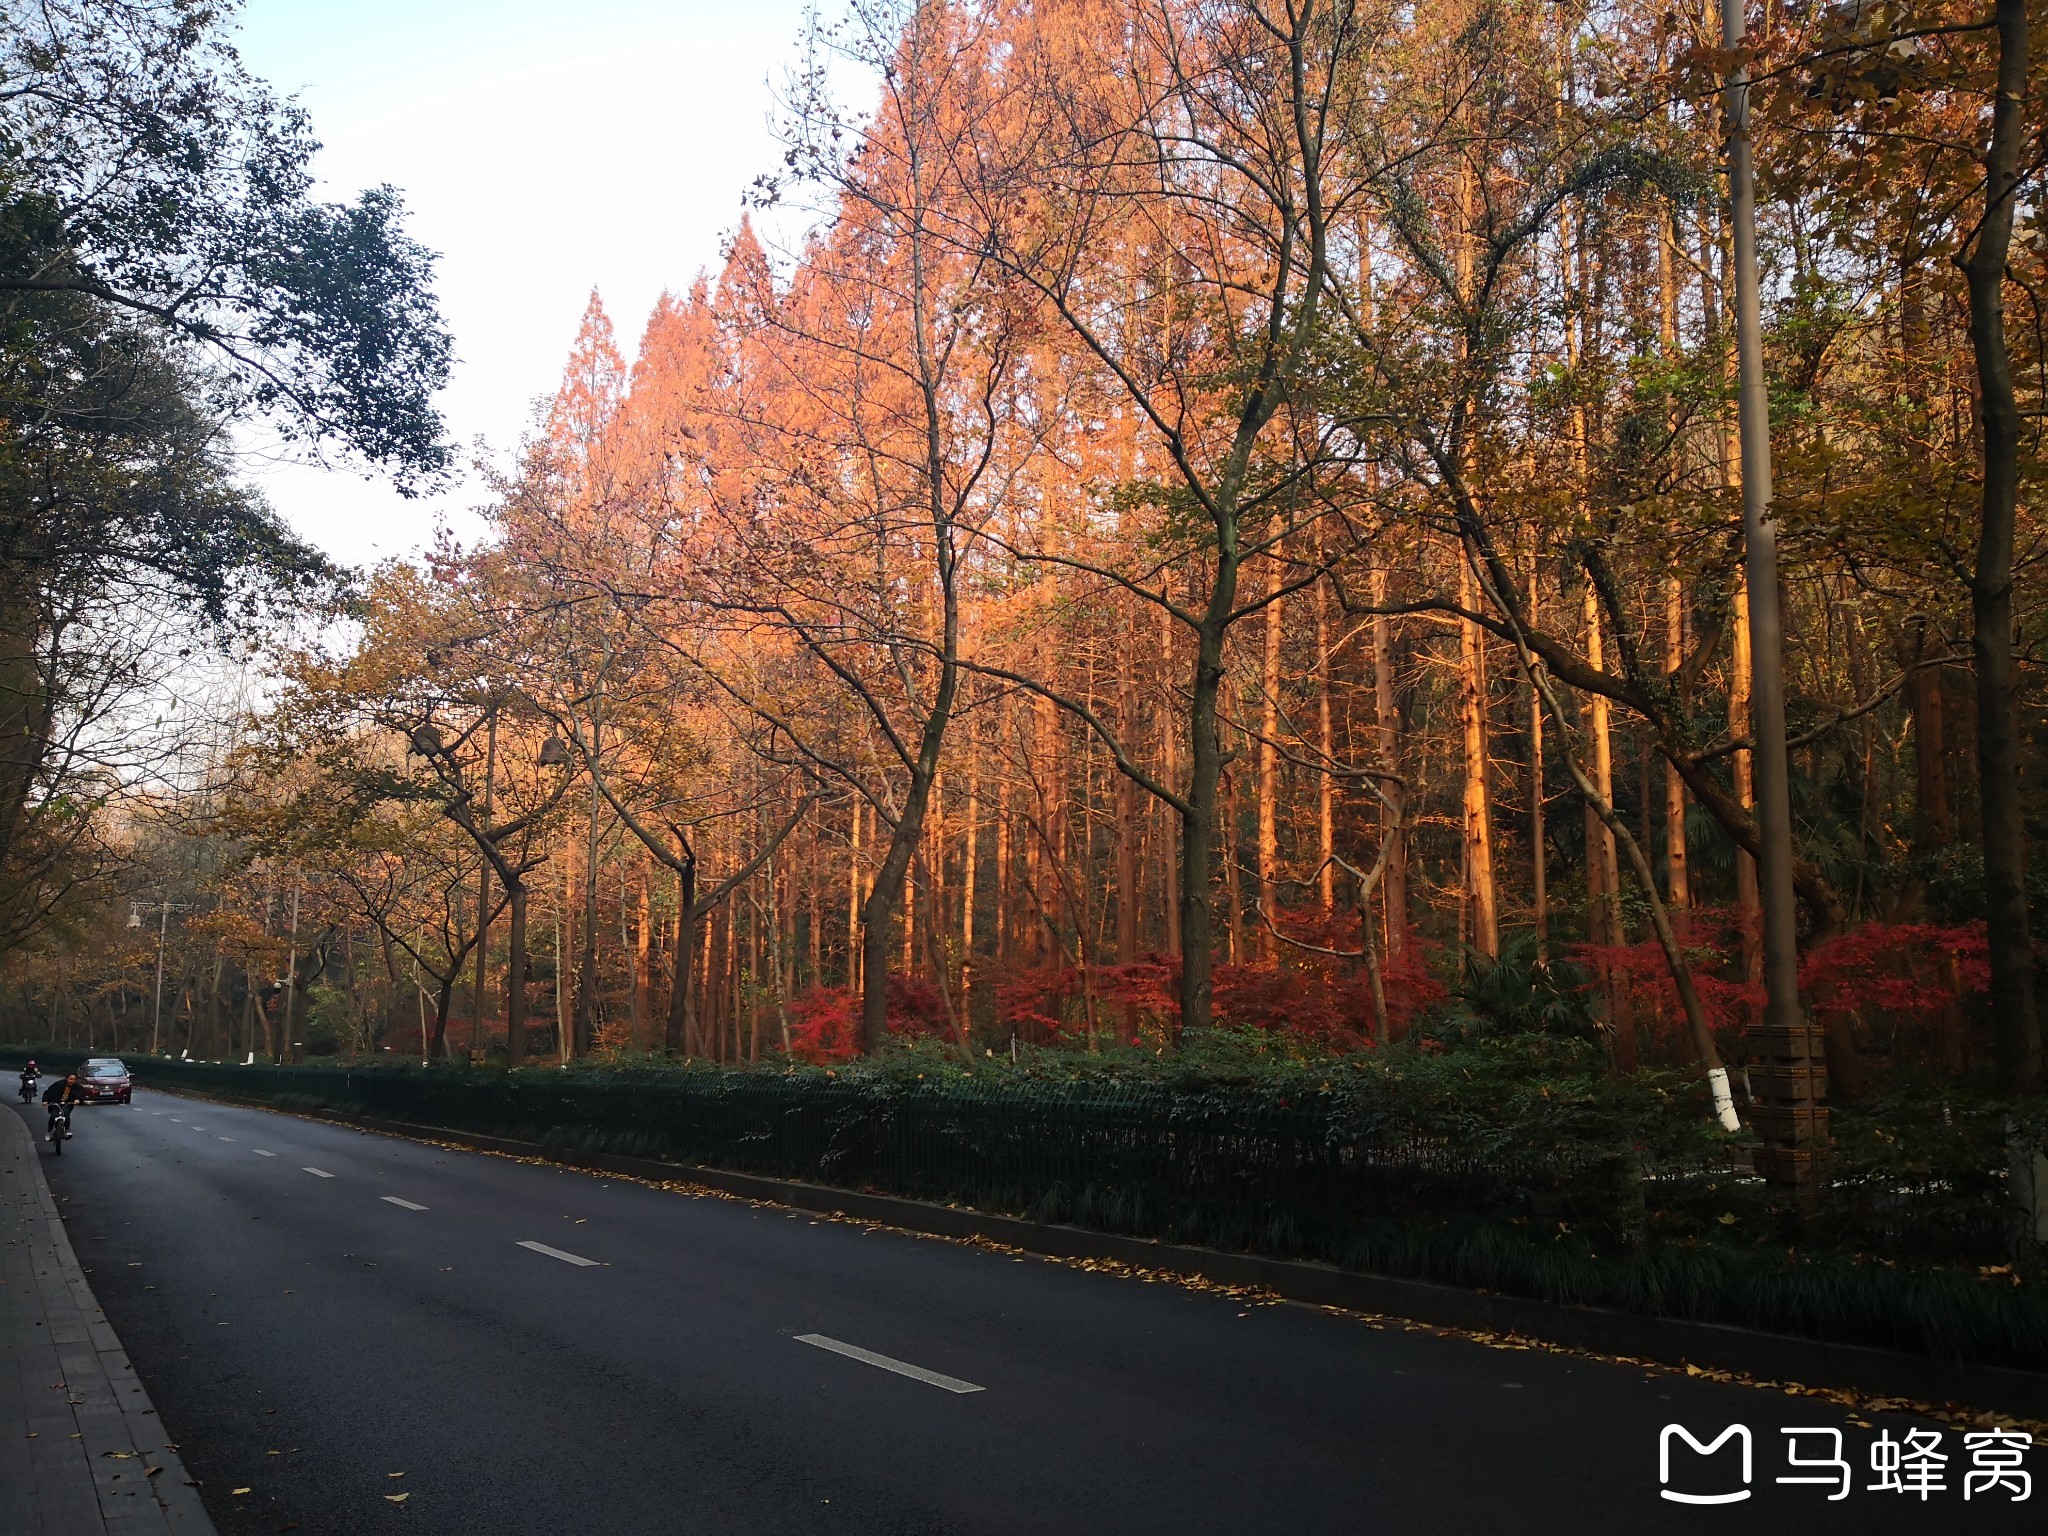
[1676,1342]
[133,1422]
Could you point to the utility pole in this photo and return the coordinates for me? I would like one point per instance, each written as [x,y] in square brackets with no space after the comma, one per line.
[1791,1076]
[163,928]
[291,980]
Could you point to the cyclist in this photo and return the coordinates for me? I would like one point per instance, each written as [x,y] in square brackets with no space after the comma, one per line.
[66,1092]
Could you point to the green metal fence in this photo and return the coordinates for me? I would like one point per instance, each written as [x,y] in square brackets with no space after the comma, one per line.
[1217,1167]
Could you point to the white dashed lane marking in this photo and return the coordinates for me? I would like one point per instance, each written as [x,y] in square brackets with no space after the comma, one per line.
[394,1200]
[223,1138]
[318,1173]
[884,1362]
[261,1153]
[556,1253]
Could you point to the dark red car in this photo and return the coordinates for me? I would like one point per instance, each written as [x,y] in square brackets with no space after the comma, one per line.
[104,1080]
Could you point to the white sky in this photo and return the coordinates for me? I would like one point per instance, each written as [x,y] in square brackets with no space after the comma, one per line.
[544,147]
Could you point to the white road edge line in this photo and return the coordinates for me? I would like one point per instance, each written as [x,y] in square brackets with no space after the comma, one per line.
[556,1253]
[900,1367]
[318,1173]
[261,1153]
[394,1200]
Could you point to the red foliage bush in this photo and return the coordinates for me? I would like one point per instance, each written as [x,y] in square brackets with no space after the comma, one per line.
[824,1021]
[1032,1004]
[1913,973]
[1323,999]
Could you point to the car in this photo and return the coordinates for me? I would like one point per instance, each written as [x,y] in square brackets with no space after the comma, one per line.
[105,1080]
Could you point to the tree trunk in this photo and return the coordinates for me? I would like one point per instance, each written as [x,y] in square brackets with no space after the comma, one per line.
[483,893]
[1991,606]
[890,877]
[678,1039]
[586,968]
[970,847]
[1394,886]
[515,977]
[1326,783]
[1481,896]
[1677,873]
[1269,782]
[1748,898]
[643,963]
[1198,819]
[1603,865]
[1933,823]
[853,901]
[1539,859]
[1129,895]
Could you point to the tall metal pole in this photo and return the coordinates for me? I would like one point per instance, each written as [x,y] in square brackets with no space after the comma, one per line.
[163,929]
[291,982]
[1792,1080]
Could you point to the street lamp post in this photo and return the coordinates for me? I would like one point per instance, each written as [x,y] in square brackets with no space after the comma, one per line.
[163,929]
[1791,1078]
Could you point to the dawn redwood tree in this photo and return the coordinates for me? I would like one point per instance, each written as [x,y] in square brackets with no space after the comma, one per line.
[1171,184]
[893,356]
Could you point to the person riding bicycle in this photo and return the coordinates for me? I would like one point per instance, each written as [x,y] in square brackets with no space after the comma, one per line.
[66,1091]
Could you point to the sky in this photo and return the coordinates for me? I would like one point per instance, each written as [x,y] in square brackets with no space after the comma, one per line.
[544,147]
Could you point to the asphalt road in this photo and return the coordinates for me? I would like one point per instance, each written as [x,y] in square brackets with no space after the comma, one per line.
[315,1310]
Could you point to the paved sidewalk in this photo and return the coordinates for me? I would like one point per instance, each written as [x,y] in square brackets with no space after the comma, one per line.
[81,1451]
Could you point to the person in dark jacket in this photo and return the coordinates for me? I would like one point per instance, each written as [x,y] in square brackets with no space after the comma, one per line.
[64,1091]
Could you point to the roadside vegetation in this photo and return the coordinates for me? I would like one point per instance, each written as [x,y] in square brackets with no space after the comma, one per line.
[1212,583]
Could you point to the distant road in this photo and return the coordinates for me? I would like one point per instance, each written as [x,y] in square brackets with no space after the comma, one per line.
[541,1351]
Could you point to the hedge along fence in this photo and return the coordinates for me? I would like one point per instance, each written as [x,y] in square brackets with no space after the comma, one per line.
[1590,1199]
[1230,1168]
